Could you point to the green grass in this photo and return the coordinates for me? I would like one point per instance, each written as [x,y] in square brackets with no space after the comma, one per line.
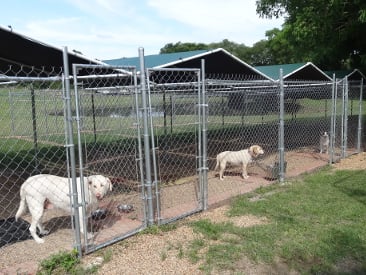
[159,229]
[68,262]
[314,225]
[60,263]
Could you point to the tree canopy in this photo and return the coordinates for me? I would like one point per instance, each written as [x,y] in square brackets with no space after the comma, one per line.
[329,33]
[256,55]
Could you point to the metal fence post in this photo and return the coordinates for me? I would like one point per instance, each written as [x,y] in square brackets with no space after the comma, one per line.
[145,114]
[345,118]
[70,147]
[155,182]
[204,167]
[35,133]
[140,160]
[359,128]
[82,203]
[333,120]
[281,130]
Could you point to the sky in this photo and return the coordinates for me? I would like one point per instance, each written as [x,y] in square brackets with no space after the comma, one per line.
[110,29]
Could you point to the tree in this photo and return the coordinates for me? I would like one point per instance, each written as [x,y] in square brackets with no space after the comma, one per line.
[239,50]
[328,32]
[234,48]
[182,47]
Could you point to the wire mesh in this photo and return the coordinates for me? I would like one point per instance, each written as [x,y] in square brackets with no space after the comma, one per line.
[107,135]
[32,142]
[174,97]
[108,144]
[242,112]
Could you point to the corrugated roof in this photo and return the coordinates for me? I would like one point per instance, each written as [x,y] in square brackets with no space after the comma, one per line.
[296,71]
[217,61]
[31,57]
[338,74]
[352,75]
[273,71]
[152,61]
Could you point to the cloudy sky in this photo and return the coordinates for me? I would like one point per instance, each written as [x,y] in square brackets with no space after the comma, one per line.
[107,29]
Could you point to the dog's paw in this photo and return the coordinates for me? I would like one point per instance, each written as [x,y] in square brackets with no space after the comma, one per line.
[44,232]
[245,176]
[39,240]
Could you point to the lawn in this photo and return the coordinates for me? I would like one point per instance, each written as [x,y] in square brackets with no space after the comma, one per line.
[315,226]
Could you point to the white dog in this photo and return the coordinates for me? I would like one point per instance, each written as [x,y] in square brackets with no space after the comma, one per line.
[42,190]
[324,143]
[237,158]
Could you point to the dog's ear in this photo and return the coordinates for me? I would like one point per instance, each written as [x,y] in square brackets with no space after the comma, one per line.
[89,180]
[110,184]
[255,150]
[252,152]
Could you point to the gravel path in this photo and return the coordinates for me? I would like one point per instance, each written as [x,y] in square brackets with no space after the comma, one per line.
[160,254]
[354,162]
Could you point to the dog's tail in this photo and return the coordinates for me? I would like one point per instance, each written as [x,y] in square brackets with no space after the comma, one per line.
[22,205]
[217,163]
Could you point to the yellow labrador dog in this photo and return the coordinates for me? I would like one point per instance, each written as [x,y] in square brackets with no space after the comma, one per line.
[42,190]
[237,158]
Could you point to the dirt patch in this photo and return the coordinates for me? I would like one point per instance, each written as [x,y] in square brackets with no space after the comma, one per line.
[219,215]
[159,254]
[354,162]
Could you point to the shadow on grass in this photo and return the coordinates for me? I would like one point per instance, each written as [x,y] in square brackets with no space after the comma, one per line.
[347,251]
[352,184]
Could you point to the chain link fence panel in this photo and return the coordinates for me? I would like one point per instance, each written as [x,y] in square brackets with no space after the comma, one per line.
[242,112]
[350,138]
[32,142]
[307,116]
[174,101]
[109,144]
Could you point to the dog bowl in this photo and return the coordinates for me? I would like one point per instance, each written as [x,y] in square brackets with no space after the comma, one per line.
[99,214]
[125,208]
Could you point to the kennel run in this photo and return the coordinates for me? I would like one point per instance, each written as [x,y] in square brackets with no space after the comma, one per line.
[156,135]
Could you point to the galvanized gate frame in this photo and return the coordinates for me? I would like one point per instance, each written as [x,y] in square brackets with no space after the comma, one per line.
[152,184]
[83,239]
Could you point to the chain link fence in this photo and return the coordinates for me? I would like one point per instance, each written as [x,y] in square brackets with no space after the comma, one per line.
[156,137]
[349,112]
[175,120]
[108,141]
[32,142]
[242,112]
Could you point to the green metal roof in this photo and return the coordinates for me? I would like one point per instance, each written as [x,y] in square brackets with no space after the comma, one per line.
[296,71]
[273,71]
[217,61]
[339,73]
[155,60]
[352,75]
